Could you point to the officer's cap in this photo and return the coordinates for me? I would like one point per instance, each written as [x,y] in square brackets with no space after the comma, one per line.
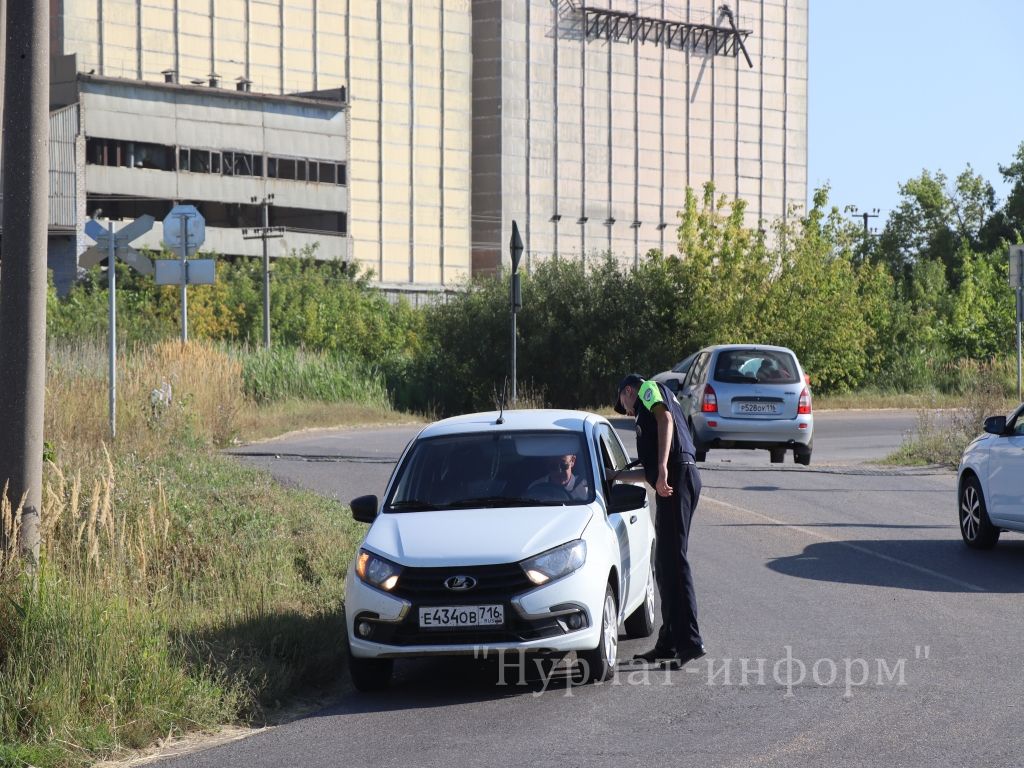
[631,380]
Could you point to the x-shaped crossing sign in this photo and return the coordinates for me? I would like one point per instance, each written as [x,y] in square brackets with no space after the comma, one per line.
[122,248]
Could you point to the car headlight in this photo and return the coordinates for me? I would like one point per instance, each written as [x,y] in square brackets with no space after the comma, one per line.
[376,571]
[555,563]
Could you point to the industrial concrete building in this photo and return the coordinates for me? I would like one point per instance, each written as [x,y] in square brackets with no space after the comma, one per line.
[584,123]
[122,148]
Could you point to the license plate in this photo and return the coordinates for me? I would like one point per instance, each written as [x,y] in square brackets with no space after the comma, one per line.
[770,409]
[463,616]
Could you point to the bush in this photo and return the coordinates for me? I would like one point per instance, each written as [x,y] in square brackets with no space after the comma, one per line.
[283,373]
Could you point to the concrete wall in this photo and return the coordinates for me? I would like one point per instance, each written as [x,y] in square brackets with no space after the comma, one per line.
[600,139]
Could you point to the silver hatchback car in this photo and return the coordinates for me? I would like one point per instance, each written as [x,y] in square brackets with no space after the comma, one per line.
[749,396]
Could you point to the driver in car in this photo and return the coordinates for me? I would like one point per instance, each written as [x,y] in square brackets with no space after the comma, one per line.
[560,473]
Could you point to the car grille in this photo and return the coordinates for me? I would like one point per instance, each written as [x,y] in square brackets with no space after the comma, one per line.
[424,587]
[493,582]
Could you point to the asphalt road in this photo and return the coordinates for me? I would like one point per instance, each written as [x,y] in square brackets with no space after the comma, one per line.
[846,625]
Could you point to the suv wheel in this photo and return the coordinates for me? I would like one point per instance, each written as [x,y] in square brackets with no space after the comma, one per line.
[975,527]
[640,623]
[599,664]
[778,455]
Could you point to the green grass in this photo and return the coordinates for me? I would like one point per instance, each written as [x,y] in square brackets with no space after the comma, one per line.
[283,373]
[202,593]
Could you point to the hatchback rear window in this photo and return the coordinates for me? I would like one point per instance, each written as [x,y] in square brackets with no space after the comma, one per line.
[756,366]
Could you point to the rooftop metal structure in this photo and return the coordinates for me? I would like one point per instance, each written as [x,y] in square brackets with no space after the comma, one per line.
[619,26]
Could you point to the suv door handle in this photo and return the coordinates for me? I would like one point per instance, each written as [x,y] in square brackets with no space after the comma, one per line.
[632,519]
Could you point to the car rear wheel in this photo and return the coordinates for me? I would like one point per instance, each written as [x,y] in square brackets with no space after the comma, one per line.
[599,664]
[803,455]
[778,455]
[700,450]
[370,674]
[640,623]
[975,527]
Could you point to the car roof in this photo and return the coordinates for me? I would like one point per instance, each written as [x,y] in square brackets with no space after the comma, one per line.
[513,420]
[756,347]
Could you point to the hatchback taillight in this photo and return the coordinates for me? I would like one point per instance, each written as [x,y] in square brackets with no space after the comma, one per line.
[804,406]
[709,402]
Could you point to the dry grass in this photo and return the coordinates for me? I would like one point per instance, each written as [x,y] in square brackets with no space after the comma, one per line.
[176,588]
[943,434]
[203,380]
[274,419]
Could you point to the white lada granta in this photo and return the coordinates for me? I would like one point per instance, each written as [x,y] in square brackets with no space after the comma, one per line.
[501,532]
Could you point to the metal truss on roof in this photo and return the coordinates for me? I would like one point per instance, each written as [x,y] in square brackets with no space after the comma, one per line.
[619,26]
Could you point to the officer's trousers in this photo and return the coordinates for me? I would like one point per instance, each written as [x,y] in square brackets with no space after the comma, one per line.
[673,515]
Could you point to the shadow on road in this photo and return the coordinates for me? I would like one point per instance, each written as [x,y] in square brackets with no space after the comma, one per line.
[441,682]
[928,566]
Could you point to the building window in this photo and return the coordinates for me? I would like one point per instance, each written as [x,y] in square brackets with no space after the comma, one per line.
[129,154]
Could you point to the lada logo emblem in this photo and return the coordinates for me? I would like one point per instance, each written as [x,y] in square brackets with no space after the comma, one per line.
[460,583]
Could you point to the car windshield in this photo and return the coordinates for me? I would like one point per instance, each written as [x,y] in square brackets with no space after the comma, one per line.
[756,366]
[494,469]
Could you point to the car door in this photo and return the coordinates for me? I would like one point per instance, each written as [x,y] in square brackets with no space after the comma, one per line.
[632,527]
[1006,472]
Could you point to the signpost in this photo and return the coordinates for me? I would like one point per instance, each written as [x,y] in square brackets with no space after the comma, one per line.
[111,245]
[184,232]
[1017,283]
[515,249]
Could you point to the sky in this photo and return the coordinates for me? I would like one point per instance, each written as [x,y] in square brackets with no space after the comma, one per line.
[899,87]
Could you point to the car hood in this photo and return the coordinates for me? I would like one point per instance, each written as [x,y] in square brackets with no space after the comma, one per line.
[475,536]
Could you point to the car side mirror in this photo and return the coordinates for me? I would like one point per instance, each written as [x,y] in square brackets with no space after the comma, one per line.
[364,509]
[625,497]
[995,425]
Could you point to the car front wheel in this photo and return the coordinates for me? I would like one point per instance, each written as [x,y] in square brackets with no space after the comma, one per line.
[975,527]
[598,665]
[370,674]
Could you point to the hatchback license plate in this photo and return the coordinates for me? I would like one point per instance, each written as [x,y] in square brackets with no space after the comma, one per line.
[463,616]
[769,409]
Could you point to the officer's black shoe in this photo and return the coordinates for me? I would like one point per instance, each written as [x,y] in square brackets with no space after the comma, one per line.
[656,655]
[678,661]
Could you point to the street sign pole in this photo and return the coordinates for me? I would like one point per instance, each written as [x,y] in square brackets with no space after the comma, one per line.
[112,286]
[266,278]
[1020,316]
[1017,283]
[184,277]
[515,249]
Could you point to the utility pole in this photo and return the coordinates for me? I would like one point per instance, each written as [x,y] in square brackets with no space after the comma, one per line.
[23,277]
[264,233]
[853,211]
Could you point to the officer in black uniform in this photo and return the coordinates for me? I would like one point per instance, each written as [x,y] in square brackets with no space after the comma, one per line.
[665,449]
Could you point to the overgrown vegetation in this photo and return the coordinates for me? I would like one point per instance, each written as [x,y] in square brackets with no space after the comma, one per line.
[857,317]
[177,589]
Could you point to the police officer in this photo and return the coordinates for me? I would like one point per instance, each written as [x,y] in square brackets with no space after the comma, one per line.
[665,450]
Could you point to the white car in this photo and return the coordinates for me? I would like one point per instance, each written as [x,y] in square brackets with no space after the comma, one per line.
[990,482]
[476,547]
